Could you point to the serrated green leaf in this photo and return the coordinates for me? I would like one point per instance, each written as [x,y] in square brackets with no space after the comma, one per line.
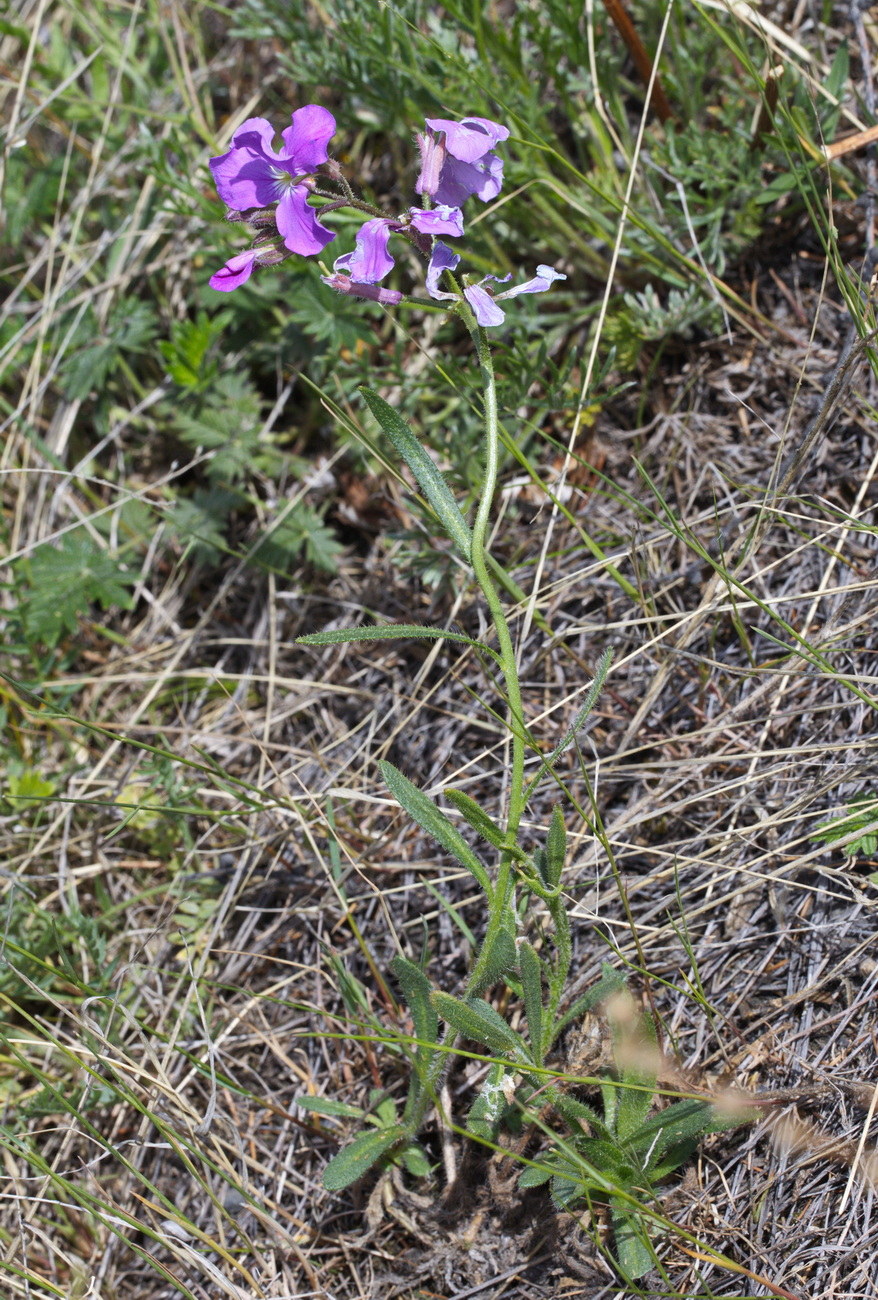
[327,1106]
[64,581]
[358,1157]
[477,1020]
[300,531]
[534,1176]
[532,988]
[391,632]
[429,479]
[434,822]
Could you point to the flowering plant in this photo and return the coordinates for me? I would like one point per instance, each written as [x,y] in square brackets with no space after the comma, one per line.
[271,189]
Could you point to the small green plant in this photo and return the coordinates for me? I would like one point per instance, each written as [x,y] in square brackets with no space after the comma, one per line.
[859,821]
[618,1156]
[57,584]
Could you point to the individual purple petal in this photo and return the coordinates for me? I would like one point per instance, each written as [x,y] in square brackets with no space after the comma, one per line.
[244,176]
[460,180]
[543,280]
[297,222]
[235,272]
[441,259]
[442,220]
[370,262]
[306,140]
[471,138]
[486,311]
[344,284]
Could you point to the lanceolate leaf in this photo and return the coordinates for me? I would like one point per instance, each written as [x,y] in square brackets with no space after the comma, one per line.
[476,1020]
[358,1157]
[434,821]
[430,481]
[531,984]
[392,632]
[556,848]
[496,961]
[416,991]
[603,667]
[481,823]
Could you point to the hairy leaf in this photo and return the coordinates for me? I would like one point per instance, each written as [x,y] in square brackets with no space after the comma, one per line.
[430,480]
[434,822]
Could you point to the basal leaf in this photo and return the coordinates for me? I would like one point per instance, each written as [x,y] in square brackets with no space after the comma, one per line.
[531,983]
[416,990]
[358,1157]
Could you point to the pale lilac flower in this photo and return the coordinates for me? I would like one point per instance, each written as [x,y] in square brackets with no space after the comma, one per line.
[483,302]
[253,175]
[457,160]
[441,220]
[442,259]
[370,260]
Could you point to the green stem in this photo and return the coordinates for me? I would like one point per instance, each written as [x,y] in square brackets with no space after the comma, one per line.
[480,563]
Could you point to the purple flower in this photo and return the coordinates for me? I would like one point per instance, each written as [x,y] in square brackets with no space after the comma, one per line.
[441,220]
[370,260]
[484,303]
[457,160]
[253,175]
[359,272]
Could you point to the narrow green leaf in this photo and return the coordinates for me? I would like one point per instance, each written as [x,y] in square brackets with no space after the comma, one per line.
[603,667]
[633,1247]
[434,822]
[416,991]
[477,1020]
[480,821]
[578,1114]
[430,481]
[494,962]
[326,1106]
[532,987]
[556,848]
[358,1157]
[611,982]
[392,632]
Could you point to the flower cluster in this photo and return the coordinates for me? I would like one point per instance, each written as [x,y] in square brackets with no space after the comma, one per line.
[273,186]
